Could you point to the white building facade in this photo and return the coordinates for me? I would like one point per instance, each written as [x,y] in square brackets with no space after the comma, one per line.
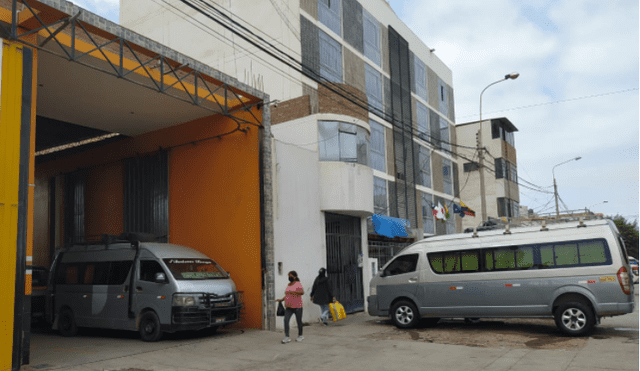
[362,121]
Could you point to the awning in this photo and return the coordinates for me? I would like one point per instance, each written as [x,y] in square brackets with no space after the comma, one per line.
[390,227]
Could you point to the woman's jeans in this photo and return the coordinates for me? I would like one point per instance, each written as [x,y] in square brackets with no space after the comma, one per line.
[324,309]
[288,312]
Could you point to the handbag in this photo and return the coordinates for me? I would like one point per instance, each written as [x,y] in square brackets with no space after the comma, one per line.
[280,311]
[337,311]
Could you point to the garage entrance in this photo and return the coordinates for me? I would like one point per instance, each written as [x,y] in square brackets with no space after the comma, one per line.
[114,133]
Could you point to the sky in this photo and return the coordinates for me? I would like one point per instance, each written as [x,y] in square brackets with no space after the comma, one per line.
[576,96]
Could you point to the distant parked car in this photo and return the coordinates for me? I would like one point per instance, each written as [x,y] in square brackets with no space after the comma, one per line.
[634,267]
[39,281]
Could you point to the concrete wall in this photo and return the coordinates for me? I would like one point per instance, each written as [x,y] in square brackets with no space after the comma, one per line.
[346,188]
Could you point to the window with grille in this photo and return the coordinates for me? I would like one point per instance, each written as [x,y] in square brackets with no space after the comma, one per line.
[377,147]
[341,141]
[424,163]
[428,222]
[444,134]
[380,196]
[329,14]
[330,58]
[420,76]
[422,113]
[371,37]
[373,80]
[447,176]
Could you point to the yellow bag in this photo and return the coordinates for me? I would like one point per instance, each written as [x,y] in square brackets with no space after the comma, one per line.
[337,311]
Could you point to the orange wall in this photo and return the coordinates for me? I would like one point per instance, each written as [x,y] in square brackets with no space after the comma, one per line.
[214,194]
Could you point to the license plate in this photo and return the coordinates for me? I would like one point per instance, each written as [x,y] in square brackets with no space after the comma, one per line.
[221,319]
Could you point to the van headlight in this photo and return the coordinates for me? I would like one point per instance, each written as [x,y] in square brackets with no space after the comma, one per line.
[373,290]
[181,300]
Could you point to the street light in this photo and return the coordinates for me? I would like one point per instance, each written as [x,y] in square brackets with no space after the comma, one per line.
[599,203]
[483,202]
[555,186]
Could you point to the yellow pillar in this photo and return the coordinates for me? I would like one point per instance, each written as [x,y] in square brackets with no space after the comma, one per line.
[10,122]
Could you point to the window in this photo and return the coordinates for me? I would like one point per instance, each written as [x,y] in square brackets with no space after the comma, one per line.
[592,252]
[329,14]
[447,176]
[371,37]
[402,264]
[67,274]
[508,207]
[450,224]
[444,134]
[379,196]
[420,76]
[330,58]
[470,261]
[499,131]
[566,254]
[422,113]
[443,104]
[472,166]
[340,141]
[148,270]
[428,223]
[424,163]
[377,149]
[513,173]
[373,80]
[119,272]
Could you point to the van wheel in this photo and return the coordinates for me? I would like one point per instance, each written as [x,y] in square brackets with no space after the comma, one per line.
[574,318]
[150,327]
[404,314]
[67,323]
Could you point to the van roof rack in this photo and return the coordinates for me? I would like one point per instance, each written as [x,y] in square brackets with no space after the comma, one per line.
[109,239]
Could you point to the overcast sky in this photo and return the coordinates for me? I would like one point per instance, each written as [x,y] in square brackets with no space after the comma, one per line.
[577,94]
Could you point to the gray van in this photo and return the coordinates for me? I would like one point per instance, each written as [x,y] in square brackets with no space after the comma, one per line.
[125,284]
[576,273]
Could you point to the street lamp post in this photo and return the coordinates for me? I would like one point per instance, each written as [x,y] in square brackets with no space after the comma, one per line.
[599,203]
[483,202]
[555,186]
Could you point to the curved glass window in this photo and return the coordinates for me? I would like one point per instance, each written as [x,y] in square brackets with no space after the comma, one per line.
[341,141]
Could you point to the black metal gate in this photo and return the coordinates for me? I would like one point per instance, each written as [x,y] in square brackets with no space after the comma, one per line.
[344,245]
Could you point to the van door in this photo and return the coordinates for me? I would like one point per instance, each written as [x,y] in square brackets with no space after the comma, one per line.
[117,307]
[399,278]
[71,293]
[152,294]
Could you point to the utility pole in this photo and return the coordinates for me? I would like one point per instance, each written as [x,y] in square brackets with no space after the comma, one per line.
[555,186]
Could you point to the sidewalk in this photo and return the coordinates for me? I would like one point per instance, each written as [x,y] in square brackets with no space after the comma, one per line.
[351,344]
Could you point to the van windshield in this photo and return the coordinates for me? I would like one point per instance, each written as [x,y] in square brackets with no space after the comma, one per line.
[195,269]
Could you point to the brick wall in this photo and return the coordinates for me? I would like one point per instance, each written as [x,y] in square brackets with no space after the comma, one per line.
[330,102]
[291,110]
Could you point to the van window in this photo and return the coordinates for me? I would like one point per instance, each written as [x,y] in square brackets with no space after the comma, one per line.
[96,273]
[504,258]
[119,272]
[436,262]
[195,269]
[148,270]
[524,257]
[546,256]
[451,262]
[402,264]
[566,254]
[470,261]
[71,274]
[592,252]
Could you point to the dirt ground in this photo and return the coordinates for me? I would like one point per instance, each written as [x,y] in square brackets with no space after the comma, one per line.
[492,333]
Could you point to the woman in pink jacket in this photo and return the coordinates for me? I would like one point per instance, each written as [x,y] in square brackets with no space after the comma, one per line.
[293,305]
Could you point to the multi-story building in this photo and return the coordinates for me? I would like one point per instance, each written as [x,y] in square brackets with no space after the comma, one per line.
[363,122]
[502,195]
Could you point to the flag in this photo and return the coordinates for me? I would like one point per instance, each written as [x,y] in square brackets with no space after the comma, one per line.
[459,210]
[446,212]
[468,210]
[438,212]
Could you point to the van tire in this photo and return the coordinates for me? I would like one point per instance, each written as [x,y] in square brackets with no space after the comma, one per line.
[67,323]
[150,327]
[574,318]
[404,314]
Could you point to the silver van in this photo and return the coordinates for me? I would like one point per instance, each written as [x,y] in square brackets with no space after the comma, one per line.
[125,284]
[576,273]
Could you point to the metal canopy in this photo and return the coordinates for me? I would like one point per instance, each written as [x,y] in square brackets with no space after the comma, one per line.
[86,93]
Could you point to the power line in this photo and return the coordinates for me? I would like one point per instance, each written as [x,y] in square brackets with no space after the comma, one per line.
[556,102]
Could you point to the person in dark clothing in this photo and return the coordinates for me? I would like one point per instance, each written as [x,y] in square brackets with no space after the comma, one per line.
[322,294]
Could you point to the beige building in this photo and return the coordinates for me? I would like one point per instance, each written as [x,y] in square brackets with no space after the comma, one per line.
[502,194]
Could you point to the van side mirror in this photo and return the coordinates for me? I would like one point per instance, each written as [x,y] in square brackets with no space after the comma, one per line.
[160,278]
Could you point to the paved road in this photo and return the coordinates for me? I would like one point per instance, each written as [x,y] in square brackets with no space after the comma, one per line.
[360,342]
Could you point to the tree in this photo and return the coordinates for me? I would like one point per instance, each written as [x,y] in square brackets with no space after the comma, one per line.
[629,233]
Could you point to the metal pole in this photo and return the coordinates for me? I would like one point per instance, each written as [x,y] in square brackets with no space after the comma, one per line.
[555,193]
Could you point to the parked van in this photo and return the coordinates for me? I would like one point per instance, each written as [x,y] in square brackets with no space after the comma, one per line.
[576,273]
[149,287]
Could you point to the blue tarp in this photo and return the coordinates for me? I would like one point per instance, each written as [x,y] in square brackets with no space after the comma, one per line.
[390,227]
